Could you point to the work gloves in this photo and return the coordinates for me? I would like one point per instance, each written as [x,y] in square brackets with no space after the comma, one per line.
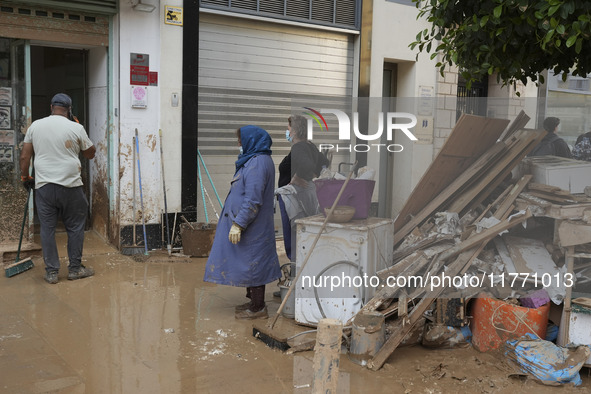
[234,235]
[28,182]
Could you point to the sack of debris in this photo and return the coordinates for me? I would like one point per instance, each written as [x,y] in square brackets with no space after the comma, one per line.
[550,364]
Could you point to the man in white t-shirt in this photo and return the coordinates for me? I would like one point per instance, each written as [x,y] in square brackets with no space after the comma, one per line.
[55,143]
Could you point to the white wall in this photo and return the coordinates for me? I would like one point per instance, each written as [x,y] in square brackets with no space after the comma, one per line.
[98,131]
[146,33]
[394,27]
[171,81]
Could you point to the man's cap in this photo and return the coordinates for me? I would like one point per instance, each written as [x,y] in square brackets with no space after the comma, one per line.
[61,99]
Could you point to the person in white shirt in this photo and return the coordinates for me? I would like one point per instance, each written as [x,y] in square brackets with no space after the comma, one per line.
[54,143]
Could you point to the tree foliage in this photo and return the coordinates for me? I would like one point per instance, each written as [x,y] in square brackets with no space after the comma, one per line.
[516,39]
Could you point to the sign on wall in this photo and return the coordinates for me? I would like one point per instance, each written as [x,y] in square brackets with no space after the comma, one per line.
[139,69]
[139,97]
[173,15]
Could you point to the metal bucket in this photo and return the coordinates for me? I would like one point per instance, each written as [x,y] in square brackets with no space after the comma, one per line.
[367,336]
[289,308]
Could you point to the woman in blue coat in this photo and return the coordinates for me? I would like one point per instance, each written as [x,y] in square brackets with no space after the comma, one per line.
[243,253]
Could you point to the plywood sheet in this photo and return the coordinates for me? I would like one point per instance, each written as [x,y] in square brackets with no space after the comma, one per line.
[470,138]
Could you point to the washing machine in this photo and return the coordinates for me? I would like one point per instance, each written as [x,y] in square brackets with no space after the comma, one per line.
[339,277]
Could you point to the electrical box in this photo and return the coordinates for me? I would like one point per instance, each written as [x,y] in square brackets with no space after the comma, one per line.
[339,277]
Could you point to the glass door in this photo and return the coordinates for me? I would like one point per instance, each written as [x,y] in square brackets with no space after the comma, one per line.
[15,91]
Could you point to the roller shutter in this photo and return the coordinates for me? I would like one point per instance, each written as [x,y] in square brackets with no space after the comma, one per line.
[249,72]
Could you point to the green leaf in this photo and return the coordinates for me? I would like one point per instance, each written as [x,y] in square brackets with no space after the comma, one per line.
[571,40]
[497,11]
[560,29]
[579,45]
[552,10]
[483,21]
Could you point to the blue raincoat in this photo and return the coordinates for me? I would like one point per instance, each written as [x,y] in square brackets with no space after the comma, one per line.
[253,261]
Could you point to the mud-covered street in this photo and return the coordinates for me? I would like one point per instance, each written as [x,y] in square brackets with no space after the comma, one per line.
[156,327]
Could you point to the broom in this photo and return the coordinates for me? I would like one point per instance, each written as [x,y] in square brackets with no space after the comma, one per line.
[134,248]
[23,265]
[265,333]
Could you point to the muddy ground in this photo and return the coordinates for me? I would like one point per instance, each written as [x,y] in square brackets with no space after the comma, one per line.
[154,326]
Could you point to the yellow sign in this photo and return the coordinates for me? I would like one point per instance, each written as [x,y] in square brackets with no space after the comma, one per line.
[174,15]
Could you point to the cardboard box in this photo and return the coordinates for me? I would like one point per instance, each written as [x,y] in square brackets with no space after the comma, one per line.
[568,174]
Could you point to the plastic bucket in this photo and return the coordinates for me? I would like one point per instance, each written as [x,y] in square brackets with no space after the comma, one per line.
[357,194]
[495,321]
[367,336]
[197,241]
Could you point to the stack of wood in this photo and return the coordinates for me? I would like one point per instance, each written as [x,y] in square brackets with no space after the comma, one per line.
[470,177]
[554,202]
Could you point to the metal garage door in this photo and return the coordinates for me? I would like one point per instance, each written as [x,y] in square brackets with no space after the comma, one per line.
[249,73]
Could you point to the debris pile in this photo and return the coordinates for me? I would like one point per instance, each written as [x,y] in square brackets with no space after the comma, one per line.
[471,230]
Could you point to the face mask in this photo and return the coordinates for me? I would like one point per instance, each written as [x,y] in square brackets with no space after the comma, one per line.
[287,136]
[241,151]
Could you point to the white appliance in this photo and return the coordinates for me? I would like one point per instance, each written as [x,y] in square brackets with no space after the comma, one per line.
[339,276]
[568,174]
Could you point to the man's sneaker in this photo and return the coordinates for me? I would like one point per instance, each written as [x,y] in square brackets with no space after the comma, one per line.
[82,272]
[51,277]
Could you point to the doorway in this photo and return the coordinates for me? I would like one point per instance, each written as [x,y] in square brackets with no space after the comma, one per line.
[389,94]
[61,70]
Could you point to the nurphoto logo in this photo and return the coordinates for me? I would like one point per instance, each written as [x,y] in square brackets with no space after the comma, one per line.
[393,122]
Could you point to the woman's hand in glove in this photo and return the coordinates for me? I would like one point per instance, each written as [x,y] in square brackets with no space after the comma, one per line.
[234,235]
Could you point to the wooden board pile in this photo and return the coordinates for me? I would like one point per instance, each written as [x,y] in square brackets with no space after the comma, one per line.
[470,177]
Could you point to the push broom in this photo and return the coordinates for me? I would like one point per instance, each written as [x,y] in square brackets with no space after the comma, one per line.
[20,265]
[265,333]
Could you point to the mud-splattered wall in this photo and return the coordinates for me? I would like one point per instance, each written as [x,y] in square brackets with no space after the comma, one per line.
[100,128]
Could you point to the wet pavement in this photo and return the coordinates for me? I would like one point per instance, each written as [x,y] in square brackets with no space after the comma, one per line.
[156,327]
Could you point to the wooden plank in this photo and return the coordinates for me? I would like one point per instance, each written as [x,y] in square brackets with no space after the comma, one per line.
[403,326]
[552,197]
[471,137]
[480,165]
[574,212]
[518,188]
[494,203]
[549,189]
[388,292]
[524,142]
[573,233]
[407,266]
[483,236]
[518,123]
[430,239]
